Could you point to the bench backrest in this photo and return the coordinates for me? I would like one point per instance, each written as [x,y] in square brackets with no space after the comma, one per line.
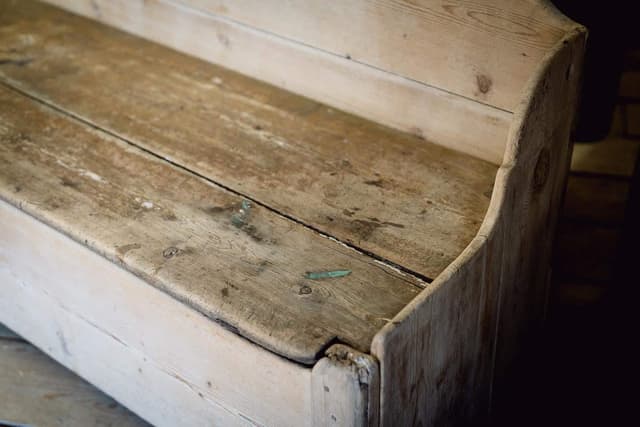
[449,71]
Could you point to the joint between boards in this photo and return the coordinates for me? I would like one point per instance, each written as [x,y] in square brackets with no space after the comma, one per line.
[420,282]
[363,364]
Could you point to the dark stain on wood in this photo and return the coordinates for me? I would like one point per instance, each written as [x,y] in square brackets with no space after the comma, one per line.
[69,183]
[252,232]
[389,223]
[376,183]
[364,229]
[484,83]
[224,40]
[541,171]
[216,210]
[169,216]
[17,62]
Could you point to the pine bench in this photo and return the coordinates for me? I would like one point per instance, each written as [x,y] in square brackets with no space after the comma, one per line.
[276,213]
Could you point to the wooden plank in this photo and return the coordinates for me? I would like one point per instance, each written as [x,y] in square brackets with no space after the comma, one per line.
[436,363]
[442,357]
[188,237]
[345,389]
[164,360]
[541,137]
[408,39]
[38,392]
[391,194]
[613,156]
[595,198]
[379,95]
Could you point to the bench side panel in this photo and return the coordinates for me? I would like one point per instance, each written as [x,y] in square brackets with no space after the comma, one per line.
[441,356]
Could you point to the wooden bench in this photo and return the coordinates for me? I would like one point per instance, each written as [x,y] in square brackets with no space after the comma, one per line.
[355,230]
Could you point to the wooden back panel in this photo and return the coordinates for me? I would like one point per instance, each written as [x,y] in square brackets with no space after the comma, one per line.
[451,72]
[480,49]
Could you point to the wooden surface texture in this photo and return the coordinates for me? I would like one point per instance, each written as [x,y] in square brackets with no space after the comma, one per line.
[179,232]
[378,94]
[450,348]
[226,193]
[163,359]
[386,192]
[414,38]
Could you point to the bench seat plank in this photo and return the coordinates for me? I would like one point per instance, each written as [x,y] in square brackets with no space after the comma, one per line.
[177,231]
[389,193]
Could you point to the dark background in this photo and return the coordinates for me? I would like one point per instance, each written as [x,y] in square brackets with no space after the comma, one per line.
[582,369]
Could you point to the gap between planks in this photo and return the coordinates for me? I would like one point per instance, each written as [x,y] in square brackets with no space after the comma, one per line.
[121,164]
[421,278]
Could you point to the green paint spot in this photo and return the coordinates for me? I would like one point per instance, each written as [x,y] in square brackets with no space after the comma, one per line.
[315,275]
[240,218]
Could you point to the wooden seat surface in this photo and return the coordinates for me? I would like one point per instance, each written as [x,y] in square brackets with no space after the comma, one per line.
[147,156]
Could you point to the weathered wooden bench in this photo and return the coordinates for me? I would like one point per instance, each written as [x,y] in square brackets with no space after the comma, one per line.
[355,230]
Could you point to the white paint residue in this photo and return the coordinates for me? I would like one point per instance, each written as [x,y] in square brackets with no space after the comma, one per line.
[217,80]
[4,128]
[26,39]
[254,129]
[82,172]
[91,175]
[144,203]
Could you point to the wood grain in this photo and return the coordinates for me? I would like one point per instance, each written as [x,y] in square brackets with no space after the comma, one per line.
[449,348]
[178,232]
[345,389]
[412,39]
[38,392]
[164,360]
[391,194]
[385,97]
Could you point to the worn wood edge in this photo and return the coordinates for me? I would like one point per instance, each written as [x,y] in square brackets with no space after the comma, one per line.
[501,187]
[504,189]
[345,388]
[444,118]
[163,360]
[513,149]
[529,146]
